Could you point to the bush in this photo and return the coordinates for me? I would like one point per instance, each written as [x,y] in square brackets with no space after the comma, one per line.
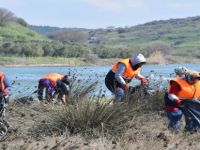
[88,115]
[163,47]
[22,22]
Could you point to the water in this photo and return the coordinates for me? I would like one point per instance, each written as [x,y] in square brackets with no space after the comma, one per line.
[26,78]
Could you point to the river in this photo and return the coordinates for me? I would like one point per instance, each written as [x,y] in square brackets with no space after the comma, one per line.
[25,79]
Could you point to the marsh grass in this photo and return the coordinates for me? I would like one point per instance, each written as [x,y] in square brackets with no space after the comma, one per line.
[92,115]
[87,117]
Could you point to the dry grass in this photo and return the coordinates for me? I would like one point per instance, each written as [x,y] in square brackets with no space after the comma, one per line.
[157,57]
[93,123]
[88,117]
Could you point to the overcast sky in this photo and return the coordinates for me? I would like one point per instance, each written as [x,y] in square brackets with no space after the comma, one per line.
[99,13]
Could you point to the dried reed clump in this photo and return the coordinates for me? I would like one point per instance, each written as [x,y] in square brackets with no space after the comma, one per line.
[81,87]
[91,115]
[157,57]
[85,117]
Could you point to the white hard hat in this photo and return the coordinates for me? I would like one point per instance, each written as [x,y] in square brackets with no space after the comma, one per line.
[137,59]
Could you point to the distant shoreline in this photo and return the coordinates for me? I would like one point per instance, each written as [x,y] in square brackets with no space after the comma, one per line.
[81,62]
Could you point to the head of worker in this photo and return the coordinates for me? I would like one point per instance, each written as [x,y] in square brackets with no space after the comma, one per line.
[181,71]
[63,87]
[65,79]
[192,78]
[137,61]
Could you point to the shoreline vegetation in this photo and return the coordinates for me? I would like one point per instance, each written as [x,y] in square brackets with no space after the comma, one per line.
[156,58]
[94,124]
[162,42]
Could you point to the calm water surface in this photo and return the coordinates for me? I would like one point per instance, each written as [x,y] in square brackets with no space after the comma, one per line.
[26,78]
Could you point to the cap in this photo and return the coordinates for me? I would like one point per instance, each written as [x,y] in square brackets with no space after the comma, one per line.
[137,59]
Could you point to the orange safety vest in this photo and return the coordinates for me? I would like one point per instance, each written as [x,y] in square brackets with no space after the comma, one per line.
[3,88]
[188,91]
[53,77]
[129,72]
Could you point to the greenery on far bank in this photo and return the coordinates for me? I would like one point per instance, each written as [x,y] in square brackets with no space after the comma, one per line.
[175,39]
[21,61]
[88,61]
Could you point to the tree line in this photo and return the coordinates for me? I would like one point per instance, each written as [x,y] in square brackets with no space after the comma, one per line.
[70,43]
[8,16]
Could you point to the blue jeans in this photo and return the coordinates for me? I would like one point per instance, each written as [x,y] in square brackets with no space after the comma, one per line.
[174,118]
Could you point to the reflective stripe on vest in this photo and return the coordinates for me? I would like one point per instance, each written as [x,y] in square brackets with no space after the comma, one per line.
[2,75]
[188,91]
[129,72]
[53,77]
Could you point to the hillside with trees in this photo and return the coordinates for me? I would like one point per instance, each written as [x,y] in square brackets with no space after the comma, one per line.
[174,37]
[16,39]
[171,38]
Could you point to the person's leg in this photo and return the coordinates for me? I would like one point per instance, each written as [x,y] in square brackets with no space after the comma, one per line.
[4,119]
[61,98]
[109,82]
[48,95]
[114,87]
[119,94]
[174,118]
[40,90]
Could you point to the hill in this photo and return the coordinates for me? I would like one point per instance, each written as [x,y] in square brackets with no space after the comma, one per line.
[174,37]
[12,31]
[44,29]
[169,41]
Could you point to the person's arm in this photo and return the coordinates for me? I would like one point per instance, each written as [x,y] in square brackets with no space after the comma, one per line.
[139,76]
[120,71]
[6,82]
[118,76]
[143,80]
[173,92]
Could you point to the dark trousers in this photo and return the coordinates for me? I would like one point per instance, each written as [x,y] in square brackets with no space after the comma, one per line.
[115,87]
[41,87]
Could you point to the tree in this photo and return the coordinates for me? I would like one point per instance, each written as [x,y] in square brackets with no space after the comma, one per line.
[69,35]
[6,15]
[22,22]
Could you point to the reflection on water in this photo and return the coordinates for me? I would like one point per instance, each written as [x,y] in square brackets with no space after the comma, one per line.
[25,79]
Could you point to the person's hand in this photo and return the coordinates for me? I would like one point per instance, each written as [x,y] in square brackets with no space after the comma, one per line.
[144,81]
[126,86]
[178,102]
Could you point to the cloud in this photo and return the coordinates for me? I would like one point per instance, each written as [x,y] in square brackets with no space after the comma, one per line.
[115,5]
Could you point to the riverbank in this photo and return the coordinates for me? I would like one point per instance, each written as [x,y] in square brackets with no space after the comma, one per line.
[53,61]
[146,130]
[63,61]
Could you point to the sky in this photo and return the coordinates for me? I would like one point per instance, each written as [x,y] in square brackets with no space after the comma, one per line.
[99,13]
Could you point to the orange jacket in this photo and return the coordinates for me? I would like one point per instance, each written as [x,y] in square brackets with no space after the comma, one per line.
[188,91]
[129,72]
[2,76]
[53,77]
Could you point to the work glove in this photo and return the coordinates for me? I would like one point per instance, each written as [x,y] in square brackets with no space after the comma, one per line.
[144,81]
[126,86]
